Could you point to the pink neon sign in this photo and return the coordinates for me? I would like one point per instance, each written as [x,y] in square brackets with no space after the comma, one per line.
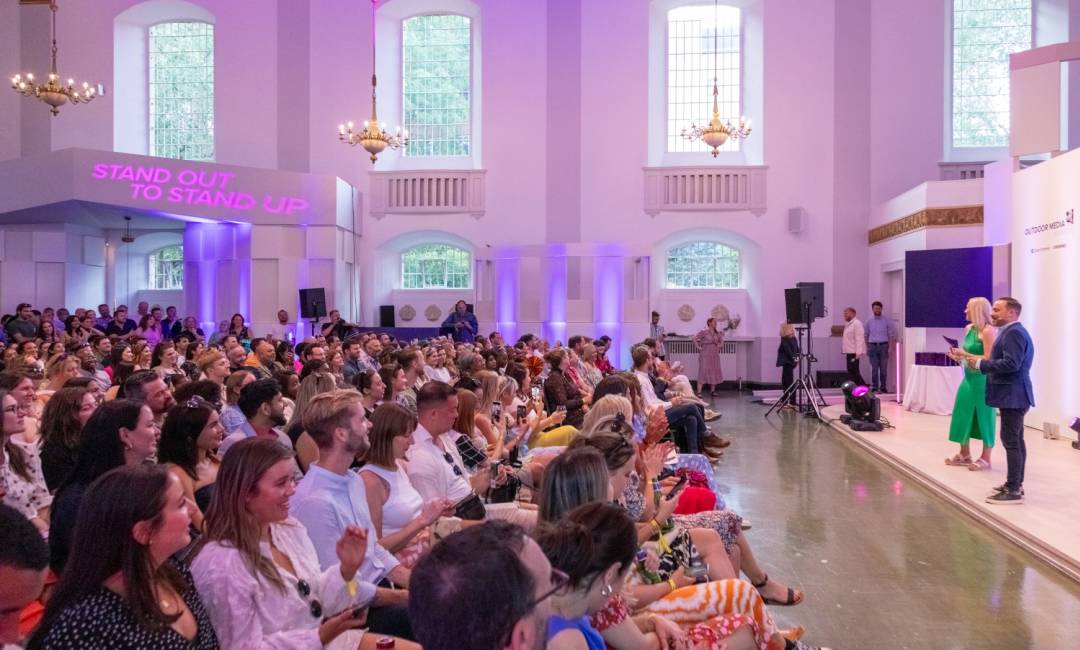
[194,187]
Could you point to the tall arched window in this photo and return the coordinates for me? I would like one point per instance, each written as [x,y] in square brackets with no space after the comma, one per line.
[181,90]
[703,265]
[436,266]
[166,268]
[984,34]
[699,36]
[436,65]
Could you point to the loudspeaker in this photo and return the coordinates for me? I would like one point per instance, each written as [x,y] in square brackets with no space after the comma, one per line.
[796,220]
[793,306]
[814,292]
[386,316]
[312,303]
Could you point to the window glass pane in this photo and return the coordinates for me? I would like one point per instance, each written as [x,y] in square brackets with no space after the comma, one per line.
[985,33]
[699,41]
[703,265]
[181,91]
[167,268]
[436,83]
[435,266]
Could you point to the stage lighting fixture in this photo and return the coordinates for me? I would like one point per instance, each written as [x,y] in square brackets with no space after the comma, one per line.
[862,408]
[1075,426]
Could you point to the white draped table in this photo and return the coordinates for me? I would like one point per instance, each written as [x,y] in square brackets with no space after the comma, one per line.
[932,389]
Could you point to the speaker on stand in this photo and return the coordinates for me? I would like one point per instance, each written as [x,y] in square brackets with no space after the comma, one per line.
[313,305]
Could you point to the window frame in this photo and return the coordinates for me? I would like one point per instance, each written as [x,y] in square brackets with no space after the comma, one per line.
[469,265]
[667,285]
[152,270]
[472,84]
[737,154]
[968,154]
[149,95]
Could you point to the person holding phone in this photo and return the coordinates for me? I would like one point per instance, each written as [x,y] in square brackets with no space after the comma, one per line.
[971,417]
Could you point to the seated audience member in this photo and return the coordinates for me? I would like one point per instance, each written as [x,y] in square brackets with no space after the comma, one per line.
[330,499]
[219,335]
[595,546]
[237,327]
[264,358]
[164,359]
[24,563]
[20,468]
[470,444]
[490,584]
[149,329]
[58,370]
[314,384]
[142,353]
[147,387]
[395,381]
[236,354]
[335,360]
[285,356]
[215,367]
[260,402]
[65,414]
[372,388]
[189,437]
[120,326]
[290,388]
[547,430]
[90,364]
[468,363]
[257,571]
[560,392]
[354,363]
[204,389]
[684,417]
[119,433]
[231,415]
[188,327]
[399,515]
[129,593]
[434,368]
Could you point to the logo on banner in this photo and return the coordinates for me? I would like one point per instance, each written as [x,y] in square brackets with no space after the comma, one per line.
[1057,224]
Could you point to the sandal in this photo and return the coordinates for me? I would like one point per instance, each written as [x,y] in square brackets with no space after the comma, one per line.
[958,460]
[794,597]
[979,465]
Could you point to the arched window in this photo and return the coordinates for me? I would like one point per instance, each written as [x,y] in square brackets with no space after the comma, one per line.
[703,265]
[167,268]
[436,266]
[181,90]
[984,34]
[700,37]
[436,69]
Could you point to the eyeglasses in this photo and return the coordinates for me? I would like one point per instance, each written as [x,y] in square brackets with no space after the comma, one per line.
[315,606]
[559,581]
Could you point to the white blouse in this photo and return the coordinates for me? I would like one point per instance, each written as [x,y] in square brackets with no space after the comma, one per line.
[248,613]
[403,503]
[28,497]
[437,374]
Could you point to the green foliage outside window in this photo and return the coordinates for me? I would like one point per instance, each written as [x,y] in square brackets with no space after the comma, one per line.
[703,265]
[167,268]
[181,90]
[437,84]
[435,266]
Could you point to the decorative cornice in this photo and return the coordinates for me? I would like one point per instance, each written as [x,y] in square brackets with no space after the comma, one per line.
[971,215]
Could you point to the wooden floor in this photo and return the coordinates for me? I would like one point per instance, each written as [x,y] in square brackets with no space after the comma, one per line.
[1047,524]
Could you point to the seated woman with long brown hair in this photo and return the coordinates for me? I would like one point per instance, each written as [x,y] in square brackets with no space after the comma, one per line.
[124,591]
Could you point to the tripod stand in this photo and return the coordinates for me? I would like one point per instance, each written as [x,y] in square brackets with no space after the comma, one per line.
[804,386]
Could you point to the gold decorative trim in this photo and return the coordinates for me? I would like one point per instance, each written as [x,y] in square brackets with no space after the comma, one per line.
[971,215]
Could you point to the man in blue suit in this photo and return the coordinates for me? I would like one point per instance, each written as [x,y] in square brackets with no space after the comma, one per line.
[1008,387]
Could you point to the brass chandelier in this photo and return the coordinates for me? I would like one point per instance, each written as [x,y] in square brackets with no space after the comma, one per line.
[53,92]
[374,138]
[717,132]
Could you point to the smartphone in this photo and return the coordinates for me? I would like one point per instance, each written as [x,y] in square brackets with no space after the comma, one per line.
[666,473]
[495,469]
[560,408]
[675,489]
[536,392]
[496,410]
[521,412]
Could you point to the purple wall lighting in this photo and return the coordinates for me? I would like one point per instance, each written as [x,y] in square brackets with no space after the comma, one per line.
[555,279]
[608,299]
[506,298]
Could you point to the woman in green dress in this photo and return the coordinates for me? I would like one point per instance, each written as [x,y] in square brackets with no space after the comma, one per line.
[971,417]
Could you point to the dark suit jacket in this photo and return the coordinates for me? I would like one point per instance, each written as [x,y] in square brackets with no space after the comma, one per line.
[1008,370]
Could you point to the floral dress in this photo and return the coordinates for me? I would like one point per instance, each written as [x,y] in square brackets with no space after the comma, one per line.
[709,344]
[727,523]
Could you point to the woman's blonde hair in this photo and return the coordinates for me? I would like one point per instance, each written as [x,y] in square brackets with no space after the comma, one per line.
[228,520]
[208,359]
[787,329]
[314,384]
[489,385]
[466,419]
[605,408]
[507,386]
[978,312]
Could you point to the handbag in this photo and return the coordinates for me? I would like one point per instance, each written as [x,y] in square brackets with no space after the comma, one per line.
[471,508]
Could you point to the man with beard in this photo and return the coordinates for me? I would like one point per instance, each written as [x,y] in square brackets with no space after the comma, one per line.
[264,411]
[330,498]
[147,387]
[90,361]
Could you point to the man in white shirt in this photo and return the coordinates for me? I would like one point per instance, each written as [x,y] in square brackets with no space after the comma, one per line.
[854,345]
[433,466]
[330,499]
[282,330]
[685,417]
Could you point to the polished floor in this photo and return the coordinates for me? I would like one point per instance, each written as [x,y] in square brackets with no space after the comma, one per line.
[884,563]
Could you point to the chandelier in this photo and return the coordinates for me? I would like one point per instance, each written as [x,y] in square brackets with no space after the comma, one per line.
[717,132]
[373,138]
[53,92]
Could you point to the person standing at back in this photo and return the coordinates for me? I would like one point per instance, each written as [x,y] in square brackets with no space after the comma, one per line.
[1008,387]
[880,333]
[854,345]
[657,333]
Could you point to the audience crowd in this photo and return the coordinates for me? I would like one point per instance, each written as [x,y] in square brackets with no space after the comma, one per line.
[165,489]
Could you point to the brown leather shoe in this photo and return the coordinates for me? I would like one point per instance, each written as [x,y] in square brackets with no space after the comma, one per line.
[722,442]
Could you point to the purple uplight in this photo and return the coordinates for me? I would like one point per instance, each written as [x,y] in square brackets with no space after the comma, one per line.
[860,391]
